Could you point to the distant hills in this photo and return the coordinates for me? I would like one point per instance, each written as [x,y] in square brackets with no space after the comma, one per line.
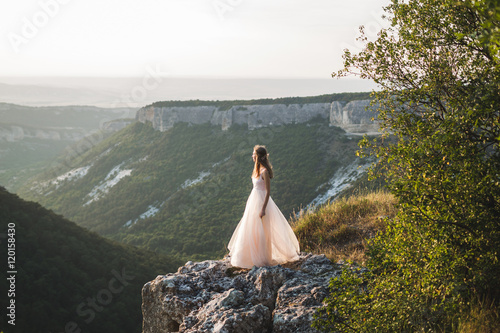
[69,278]
[31,137]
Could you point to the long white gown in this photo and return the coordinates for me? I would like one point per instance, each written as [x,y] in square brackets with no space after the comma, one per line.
[262,242]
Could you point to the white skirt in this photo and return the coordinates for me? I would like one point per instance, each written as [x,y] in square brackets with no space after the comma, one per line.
[262,242]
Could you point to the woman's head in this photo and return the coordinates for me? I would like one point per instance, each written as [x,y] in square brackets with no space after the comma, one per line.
[261,159]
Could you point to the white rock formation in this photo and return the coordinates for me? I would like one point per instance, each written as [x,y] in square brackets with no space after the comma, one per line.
[256,116]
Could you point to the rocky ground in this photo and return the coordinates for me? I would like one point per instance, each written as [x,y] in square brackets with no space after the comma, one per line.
[213,296]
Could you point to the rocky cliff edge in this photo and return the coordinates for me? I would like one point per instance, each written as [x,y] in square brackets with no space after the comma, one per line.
[213,296]
[355,115]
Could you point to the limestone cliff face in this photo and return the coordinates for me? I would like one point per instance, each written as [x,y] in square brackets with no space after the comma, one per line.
[355,117]
[355,112]
[213,296]
[256,116]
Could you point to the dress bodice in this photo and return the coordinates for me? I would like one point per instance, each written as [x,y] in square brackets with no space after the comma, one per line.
[258,183]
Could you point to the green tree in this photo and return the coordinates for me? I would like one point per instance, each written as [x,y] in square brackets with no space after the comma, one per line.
[489,12]
[438,69]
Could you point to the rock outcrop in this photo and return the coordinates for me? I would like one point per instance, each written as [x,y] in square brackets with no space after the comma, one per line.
[116,125]
[256,116]
[213,296]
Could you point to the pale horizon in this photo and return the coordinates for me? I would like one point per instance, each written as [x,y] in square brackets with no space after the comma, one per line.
[136,92]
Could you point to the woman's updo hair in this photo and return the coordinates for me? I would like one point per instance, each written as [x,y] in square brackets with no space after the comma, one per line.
[262,159]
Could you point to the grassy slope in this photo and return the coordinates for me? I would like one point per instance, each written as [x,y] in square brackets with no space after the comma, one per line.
[340,229]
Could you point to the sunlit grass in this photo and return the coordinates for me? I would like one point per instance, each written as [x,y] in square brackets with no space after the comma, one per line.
[481,317]
[340,229]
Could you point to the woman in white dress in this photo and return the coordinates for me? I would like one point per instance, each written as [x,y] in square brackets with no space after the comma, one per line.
[263,236]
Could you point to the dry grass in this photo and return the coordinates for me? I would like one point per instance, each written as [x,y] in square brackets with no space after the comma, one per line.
[341,228]
[482,317]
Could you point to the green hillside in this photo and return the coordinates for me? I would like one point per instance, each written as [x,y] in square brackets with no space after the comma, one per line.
[67,275]
[25,158]
[182,192]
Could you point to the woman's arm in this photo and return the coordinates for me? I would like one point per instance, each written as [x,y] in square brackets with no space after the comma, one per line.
[267,181]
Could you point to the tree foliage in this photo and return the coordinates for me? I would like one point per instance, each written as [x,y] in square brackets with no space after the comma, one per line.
[227,104]
[438,69]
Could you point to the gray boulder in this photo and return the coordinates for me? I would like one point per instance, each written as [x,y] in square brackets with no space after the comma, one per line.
[213,296]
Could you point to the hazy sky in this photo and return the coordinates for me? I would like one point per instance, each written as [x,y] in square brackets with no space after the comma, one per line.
[208,38]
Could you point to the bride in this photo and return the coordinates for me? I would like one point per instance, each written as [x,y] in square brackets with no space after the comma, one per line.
[263,236]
